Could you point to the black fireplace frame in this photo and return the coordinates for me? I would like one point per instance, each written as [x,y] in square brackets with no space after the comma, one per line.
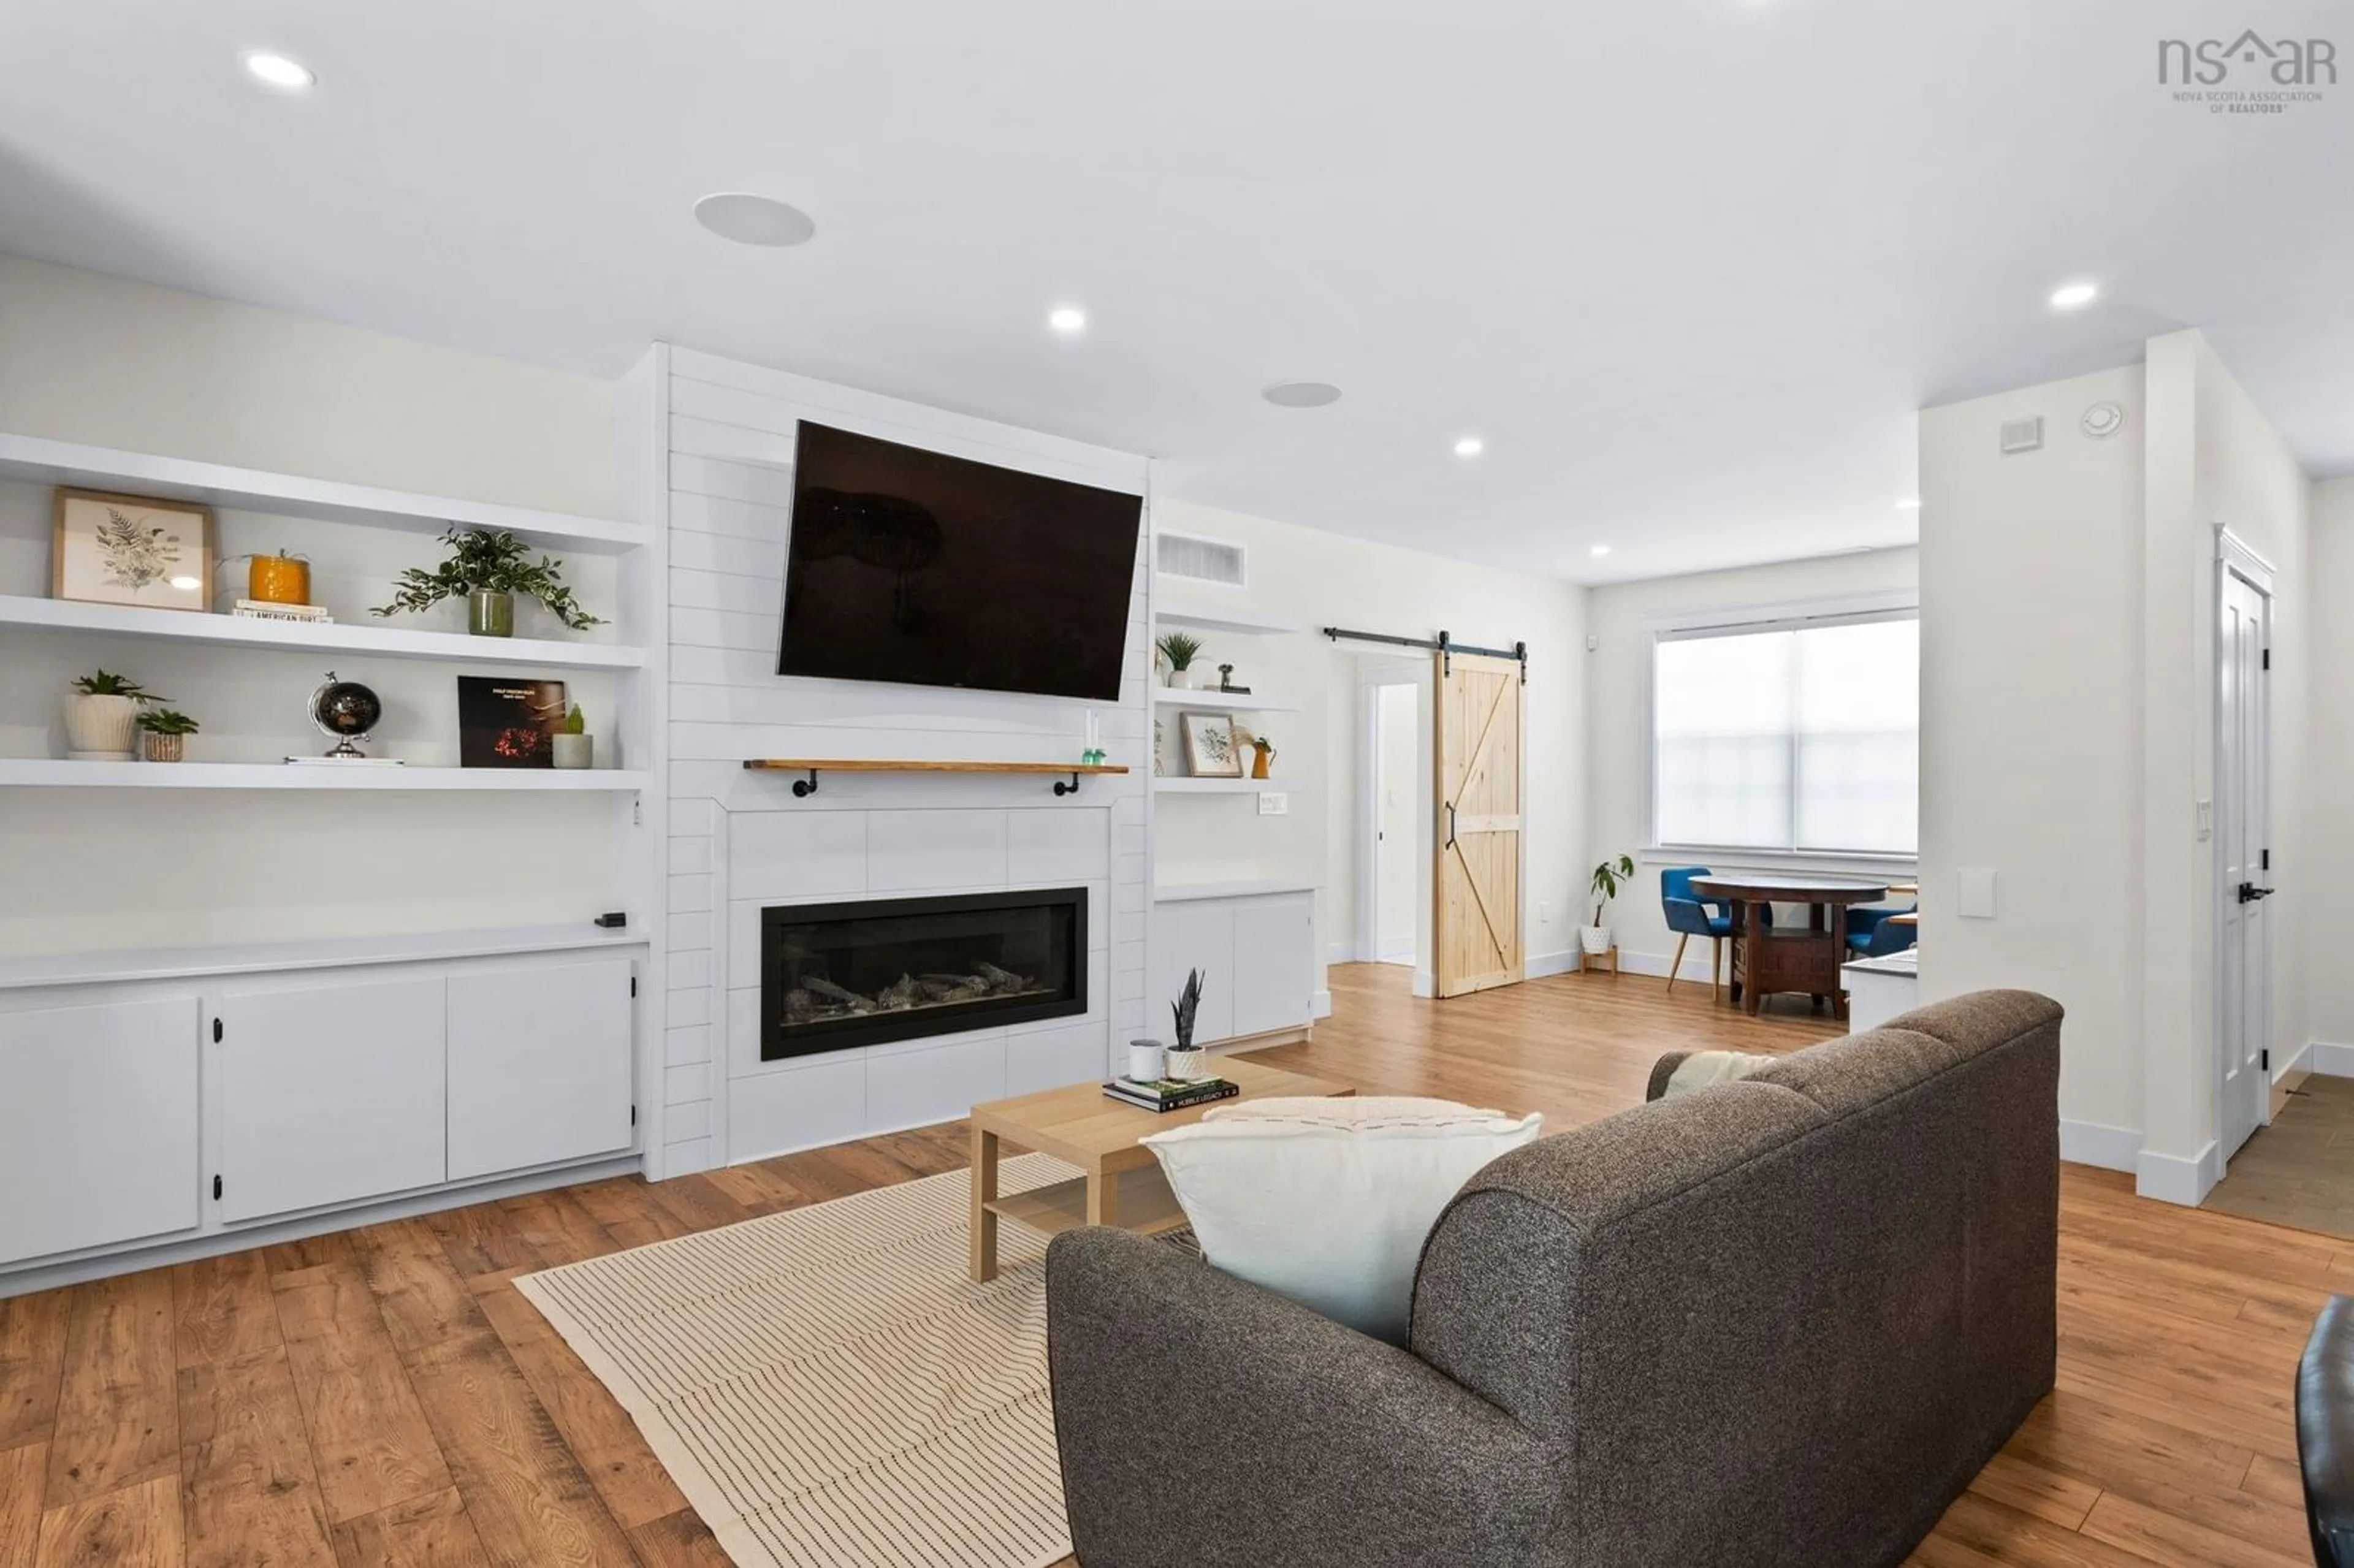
[882,1028]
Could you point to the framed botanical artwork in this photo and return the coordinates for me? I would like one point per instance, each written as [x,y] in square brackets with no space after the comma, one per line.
[1210,748]
[132,549]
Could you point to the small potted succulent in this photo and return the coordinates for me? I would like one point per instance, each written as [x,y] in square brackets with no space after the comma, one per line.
[102,716]
[1179,652]
[1607,878]
[487,570]
[573,746]
[1184,1058]
[164,733]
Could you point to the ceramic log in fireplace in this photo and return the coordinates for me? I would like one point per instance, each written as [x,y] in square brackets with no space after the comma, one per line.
[837,975]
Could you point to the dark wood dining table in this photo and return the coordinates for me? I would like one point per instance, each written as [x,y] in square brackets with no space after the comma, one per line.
[1769,957]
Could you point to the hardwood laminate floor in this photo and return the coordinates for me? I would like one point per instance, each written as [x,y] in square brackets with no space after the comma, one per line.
[383,1396]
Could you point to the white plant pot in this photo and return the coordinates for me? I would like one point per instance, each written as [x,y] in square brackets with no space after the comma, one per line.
[100,729]
[1180,678]
[1594,939]
[1146,1061]
[575,750]
[1185,1065]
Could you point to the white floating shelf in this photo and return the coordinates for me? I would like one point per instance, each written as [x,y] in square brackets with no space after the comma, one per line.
[40,461]
[240,632]
[42,770]
[1216,786]
[1236,702]
[1250,623]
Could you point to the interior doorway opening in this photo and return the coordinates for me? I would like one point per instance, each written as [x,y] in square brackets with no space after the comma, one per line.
[1393,814]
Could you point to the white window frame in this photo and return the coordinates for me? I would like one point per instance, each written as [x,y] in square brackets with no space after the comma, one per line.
[1842,610]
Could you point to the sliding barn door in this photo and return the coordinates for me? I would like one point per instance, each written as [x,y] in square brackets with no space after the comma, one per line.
[1476,928]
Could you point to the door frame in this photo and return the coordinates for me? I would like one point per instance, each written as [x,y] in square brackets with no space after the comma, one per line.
[2234,559]
[1374,674]
[1436,894]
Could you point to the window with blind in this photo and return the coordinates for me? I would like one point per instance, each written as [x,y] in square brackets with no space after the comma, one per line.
[1799,735]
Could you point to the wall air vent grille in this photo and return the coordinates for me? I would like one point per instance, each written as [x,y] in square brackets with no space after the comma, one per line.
[2022,435]
[1201,560]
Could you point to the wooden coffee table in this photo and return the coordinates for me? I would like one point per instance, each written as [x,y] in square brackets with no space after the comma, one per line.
[1082,1126]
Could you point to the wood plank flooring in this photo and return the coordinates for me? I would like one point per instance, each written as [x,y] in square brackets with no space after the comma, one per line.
[384,1397]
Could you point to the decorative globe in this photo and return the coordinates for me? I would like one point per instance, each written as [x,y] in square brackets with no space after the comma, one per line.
[346,710]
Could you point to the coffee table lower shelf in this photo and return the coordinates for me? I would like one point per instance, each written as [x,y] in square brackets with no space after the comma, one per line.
[1141,1202]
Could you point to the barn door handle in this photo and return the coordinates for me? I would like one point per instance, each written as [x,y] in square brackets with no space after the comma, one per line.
[1450,824]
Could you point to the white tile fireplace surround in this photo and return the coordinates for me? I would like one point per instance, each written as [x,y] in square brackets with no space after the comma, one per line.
[739,841]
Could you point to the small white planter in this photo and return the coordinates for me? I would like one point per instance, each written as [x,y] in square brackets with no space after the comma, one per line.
[575,750]
[1594,939]
[1187,1064]
[1180,678]
[100,729]
[1146,1060]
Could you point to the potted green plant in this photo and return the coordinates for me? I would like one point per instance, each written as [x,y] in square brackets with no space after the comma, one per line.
[1607,878]
[164,734]
[101,713]
[488,570]
[573,746]
[1184,1058]
[1178,652]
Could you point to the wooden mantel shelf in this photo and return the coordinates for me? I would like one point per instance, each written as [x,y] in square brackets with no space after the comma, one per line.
[1067,774]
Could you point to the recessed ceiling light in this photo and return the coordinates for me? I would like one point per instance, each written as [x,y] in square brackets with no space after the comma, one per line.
[1470,446]
[1067,319]
[2072,296]
[1600,550]
[1301,394]
[277,70]
[750,219]
[1910,504]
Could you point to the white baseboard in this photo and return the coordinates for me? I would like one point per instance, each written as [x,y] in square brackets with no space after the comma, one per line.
[1320,1005]
[1657,964]
[1339,952]
[2300,1062]
[2091,1143]
[1538,965]
[2172,1178]
[2329,1060]
[1424,986]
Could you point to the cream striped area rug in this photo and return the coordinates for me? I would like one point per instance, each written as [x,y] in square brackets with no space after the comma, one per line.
[828,1386]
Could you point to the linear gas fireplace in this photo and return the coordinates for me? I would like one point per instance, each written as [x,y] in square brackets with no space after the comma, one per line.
[836,975]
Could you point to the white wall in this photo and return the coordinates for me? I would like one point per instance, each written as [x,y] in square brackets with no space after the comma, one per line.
[1323,579]
[2328,860]
[739,840]
[95,359]
[1615,685]
[2067,676]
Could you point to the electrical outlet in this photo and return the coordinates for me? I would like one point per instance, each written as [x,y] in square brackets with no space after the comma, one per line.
[1273,803]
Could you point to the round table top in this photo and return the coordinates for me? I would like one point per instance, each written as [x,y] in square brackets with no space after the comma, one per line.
[1789,889]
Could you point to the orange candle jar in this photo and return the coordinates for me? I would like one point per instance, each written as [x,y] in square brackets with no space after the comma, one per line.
[279,579]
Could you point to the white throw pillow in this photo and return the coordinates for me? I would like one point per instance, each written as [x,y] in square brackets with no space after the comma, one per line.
[1703,1068]
[1328,1202]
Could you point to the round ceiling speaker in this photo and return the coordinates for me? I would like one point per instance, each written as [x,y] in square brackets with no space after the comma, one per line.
[2103,420]
[1303,394]
[750,219]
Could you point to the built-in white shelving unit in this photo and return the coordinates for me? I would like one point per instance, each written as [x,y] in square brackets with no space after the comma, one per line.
[73,774]
[1179,786]
[239,632]
[1233,702]
[1248,622]
[40,461]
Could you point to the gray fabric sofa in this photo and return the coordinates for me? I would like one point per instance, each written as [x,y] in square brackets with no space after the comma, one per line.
[1782,1321]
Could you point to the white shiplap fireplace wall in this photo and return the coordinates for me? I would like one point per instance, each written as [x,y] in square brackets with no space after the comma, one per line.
[739,840]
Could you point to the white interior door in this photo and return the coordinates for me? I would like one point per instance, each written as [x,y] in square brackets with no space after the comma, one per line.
[2243,869]
[1397,808]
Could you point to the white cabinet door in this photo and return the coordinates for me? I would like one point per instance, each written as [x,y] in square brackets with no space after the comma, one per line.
[329,1093]
[97,1125]
[1274,966]
[1190,936]
[539,1065]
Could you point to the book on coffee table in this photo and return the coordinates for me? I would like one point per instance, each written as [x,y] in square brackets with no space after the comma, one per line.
[1170,1094]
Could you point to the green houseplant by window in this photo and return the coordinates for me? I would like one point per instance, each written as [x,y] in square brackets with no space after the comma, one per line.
[1608,878]
[488,570]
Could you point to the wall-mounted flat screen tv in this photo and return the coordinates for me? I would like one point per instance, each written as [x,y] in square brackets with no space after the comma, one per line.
[929,570]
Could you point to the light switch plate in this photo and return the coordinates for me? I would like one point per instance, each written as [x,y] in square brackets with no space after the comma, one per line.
[2206,821]
[1273,803]
[1973,899]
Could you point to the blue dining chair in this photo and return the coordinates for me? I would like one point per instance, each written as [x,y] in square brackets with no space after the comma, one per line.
[1871,936]
[1689,916]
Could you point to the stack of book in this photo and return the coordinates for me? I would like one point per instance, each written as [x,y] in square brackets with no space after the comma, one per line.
[255,610]
[1170,1093]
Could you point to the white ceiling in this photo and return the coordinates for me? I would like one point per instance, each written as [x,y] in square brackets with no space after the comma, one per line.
[1689,266]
